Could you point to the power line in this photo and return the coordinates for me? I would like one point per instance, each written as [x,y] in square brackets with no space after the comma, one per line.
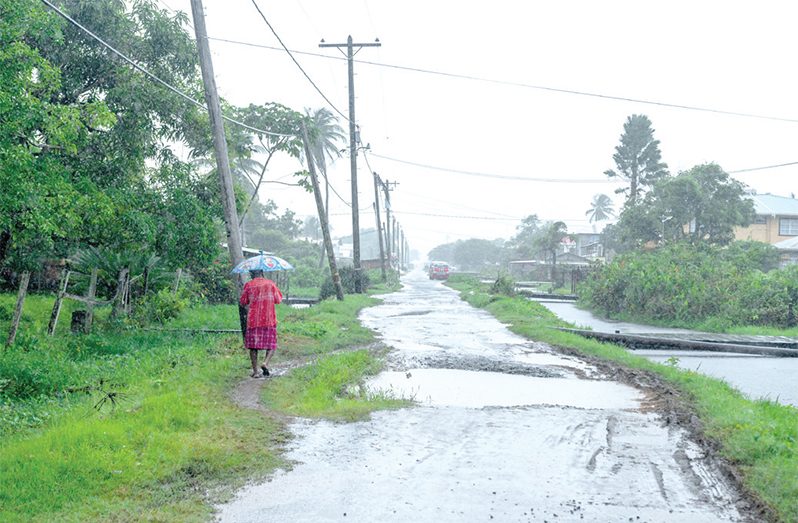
[492,175]
[762,168]
[457,216]
[149,74]
[297,63]
[526,85]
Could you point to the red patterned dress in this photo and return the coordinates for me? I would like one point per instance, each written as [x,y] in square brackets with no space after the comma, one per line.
[261,295]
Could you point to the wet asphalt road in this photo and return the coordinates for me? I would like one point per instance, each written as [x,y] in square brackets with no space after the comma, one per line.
[505,430]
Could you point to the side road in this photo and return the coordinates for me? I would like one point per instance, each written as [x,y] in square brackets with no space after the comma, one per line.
[757,440]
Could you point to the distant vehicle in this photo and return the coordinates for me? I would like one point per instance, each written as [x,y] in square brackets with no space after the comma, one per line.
[439,271]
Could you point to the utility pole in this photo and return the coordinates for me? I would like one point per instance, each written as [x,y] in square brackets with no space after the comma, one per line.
[325,230]
[387,187]
[379,225]
[219,141]
[353,139]
[395,241]
[402,249]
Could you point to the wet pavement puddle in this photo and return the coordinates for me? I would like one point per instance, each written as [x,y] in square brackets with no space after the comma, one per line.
[463,388]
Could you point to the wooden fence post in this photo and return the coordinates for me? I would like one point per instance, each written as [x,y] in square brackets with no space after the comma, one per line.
[177,281]
[23,291]
[90,302]
[119,305]
[58,299]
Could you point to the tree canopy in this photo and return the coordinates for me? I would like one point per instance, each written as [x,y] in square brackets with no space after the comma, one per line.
[700,205]
[637,158]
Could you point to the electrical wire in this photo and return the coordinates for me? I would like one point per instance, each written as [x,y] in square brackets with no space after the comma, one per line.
[150,75]
[751,169]
[524,85]
[456,216]
[496,176]
[297,63]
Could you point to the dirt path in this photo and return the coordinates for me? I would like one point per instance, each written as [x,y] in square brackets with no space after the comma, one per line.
[504,429]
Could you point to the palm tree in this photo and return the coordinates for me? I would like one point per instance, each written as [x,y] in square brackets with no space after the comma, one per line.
[547,240]
[600,208]
[325,144]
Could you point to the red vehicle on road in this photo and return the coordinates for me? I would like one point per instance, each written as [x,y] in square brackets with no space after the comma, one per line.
[439,271]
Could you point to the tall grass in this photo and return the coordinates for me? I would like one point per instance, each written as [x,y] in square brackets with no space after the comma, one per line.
[759,437]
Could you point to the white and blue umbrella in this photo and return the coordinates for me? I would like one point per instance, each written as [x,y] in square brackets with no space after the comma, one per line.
[263,262]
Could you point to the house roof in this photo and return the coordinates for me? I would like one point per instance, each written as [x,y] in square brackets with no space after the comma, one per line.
[772,205]
[790,244]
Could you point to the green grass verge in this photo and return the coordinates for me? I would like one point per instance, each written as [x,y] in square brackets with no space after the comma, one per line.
[759,437]
[172,431]
[329,388]
[174,434]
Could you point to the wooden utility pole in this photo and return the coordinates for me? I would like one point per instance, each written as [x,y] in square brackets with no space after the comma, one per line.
[395,240]
[379,225]
[219,141]
[385,188]
[325,230]
[353,142]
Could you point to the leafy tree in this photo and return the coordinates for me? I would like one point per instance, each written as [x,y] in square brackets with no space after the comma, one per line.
[637,158]
[311,228]
[108,121]
[636,226]
[275,118]
[702,204]
[548,241]
[269,230]
[39,203]
[444,252]
[523,243]
[600,208]
[473,254]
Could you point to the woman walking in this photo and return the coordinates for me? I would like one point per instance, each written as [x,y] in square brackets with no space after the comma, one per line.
[259,297]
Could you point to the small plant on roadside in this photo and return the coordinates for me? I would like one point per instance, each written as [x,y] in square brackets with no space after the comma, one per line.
[503,285]
[347,275]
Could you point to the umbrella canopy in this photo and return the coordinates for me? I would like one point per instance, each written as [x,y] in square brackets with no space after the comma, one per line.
[265,263]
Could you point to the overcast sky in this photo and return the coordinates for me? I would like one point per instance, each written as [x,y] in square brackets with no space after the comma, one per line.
[724,55]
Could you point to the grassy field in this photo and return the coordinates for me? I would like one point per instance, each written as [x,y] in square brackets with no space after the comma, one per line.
[759,437]
[133,425]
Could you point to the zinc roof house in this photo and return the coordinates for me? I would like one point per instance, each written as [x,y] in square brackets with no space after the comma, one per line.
[776,219]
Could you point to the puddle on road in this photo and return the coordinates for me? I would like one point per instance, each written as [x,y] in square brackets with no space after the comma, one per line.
[463,388]
[557,360]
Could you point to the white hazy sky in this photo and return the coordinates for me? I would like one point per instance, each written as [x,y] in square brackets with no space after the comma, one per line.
[726,55]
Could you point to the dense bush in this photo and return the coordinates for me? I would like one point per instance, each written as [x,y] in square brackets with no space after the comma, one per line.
[215,281]
[161,306]
[690,284]
[347,275]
